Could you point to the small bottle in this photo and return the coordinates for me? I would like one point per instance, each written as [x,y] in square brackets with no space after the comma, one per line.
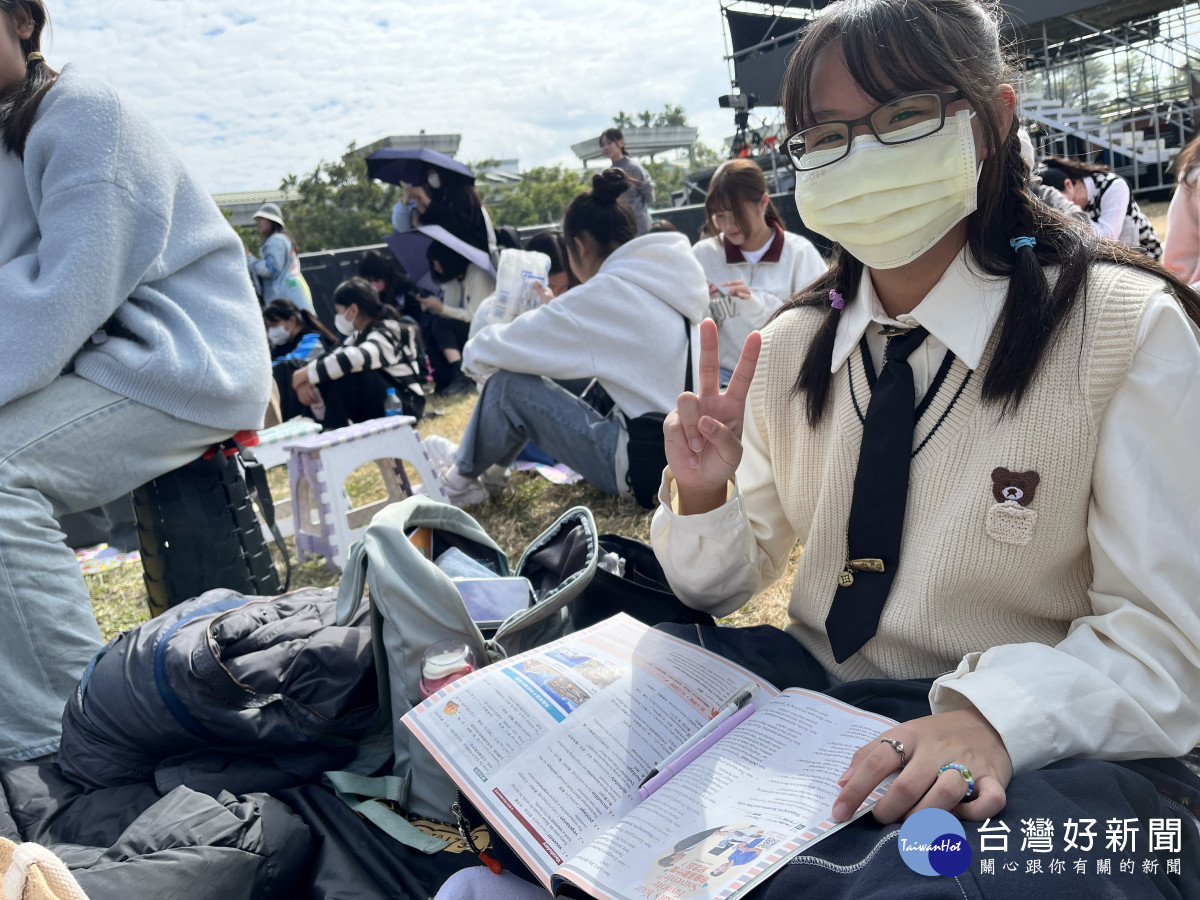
[392,405]
[444,662]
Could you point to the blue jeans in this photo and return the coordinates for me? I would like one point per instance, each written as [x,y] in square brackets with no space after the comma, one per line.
[515,409]
[68,447]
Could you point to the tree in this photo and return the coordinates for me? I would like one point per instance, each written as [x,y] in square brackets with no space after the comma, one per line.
[339,206]
[623,120]
[645,118]
[539,197]
[670,116]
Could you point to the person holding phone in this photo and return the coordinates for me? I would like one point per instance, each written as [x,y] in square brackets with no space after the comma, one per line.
[751,262]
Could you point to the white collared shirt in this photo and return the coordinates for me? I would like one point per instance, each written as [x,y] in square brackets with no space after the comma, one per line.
[1143,526]
[954,322]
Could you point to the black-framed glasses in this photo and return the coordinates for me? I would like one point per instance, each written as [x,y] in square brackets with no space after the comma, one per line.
[895,122]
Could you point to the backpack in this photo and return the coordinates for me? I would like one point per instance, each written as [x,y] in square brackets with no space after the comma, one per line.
[414,604]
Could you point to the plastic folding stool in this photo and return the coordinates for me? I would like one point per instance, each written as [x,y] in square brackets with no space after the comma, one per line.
[325,524]
[272,451]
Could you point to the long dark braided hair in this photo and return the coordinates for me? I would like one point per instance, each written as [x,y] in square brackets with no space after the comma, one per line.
[956,45]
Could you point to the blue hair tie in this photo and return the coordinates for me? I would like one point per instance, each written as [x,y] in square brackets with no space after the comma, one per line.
[1018,242]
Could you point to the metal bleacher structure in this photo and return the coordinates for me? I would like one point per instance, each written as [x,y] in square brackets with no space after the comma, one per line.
[1112,82]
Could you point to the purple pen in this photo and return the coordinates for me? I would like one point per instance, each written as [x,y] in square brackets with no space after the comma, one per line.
[672,769]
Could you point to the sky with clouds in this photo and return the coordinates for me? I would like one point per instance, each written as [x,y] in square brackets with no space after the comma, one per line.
[250,92]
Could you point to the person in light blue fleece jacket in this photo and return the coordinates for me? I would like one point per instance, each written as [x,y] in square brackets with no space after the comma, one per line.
[131,343]
[279,267]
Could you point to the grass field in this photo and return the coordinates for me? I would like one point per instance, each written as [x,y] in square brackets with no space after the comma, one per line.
[513,519]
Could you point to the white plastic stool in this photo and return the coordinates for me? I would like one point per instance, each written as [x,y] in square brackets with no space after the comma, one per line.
[319,466]
[271,452]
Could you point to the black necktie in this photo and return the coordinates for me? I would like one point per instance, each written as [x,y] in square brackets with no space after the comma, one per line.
[880,497]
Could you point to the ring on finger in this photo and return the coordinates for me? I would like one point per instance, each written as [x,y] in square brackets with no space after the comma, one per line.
[966,776]
[898,746]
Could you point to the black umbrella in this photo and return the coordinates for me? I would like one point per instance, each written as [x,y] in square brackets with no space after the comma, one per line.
[394,166]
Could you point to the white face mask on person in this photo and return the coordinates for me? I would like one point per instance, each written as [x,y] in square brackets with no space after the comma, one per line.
[886,204]
[342,324]
[278,335]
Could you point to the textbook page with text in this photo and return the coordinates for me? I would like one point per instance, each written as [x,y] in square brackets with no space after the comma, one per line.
[551,745]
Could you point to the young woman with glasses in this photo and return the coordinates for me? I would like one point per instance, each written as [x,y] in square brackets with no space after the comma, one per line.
[980,423]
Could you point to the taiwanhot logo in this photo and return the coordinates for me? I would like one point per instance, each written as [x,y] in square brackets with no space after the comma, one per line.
[932,842]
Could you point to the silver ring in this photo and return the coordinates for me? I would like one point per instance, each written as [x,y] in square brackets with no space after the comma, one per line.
[898,746]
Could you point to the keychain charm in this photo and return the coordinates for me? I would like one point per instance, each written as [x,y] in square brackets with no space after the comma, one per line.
[870,564]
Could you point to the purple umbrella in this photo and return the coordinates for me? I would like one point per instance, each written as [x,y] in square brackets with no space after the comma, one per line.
[409,248]
[394,166]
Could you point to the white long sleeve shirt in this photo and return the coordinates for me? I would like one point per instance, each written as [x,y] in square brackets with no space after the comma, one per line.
[1125,682]
[786,265]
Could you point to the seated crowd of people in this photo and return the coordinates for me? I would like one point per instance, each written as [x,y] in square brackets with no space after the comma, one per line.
[609,343]
[976,417]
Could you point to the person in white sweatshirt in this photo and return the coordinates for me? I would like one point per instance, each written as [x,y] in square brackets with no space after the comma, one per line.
[752,264]
[132,342]
[628,326]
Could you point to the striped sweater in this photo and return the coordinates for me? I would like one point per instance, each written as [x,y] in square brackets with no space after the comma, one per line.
[387,346]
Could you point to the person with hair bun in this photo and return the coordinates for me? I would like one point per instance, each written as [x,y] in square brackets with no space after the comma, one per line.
[752,264]
[627,325]
[981,424]
[132,342]
[379,352]
[641,194]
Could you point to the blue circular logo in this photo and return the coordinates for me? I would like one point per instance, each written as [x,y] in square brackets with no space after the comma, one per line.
[932,842]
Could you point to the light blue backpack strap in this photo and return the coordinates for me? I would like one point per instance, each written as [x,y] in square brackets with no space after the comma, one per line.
[375,744]
[354,579]
[360,793]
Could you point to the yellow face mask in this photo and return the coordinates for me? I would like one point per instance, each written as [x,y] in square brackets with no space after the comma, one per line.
[886,204]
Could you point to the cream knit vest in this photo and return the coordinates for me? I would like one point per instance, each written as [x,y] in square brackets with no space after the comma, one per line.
[973,573]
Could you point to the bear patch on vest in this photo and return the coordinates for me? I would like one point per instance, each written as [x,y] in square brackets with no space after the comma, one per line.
[1010,520]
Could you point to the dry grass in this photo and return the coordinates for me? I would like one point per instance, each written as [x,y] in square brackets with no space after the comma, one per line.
[513,519]
[1157,214]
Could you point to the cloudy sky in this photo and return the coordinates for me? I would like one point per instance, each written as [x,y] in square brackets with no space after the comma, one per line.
[252,91]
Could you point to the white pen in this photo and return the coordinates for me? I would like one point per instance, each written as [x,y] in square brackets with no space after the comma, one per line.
[736,702]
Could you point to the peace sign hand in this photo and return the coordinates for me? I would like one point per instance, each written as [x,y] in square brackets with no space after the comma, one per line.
[703,435]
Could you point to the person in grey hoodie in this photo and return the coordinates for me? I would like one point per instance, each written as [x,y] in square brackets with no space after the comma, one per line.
[627,326]
[131,343]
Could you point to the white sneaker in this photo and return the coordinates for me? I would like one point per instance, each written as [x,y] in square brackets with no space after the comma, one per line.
[441,452]
[463,491]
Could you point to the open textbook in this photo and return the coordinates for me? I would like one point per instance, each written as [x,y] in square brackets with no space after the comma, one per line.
[551,746]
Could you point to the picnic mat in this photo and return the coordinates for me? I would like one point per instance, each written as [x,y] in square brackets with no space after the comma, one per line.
[102,557]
